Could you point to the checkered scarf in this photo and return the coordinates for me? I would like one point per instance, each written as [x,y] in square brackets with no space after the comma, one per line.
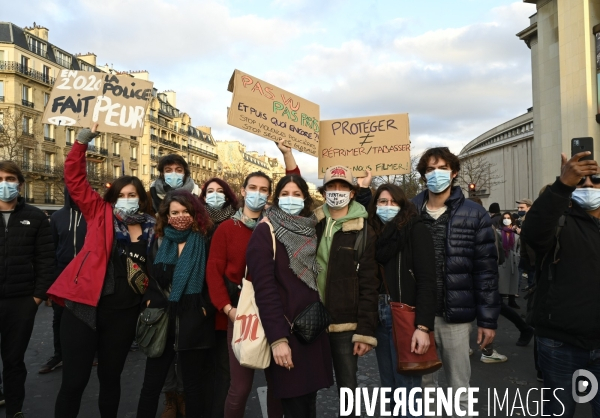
[299,236]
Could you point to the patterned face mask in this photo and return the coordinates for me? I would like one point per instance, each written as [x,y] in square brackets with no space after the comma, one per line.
[181,223]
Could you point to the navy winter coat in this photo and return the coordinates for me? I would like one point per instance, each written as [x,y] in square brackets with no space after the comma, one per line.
[471,270]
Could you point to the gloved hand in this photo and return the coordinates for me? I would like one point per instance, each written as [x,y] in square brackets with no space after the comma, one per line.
[86,135]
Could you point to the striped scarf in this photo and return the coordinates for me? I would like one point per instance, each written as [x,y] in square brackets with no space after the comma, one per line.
[299,236]
[190,266]
[220,215]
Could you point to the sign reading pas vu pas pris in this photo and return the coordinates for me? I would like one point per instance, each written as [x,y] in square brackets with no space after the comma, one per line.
[377,143]
[273,113]
[117,103]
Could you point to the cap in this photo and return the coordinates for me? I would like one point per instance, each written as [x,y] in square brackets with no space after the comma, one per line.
[338,172]
[527,202]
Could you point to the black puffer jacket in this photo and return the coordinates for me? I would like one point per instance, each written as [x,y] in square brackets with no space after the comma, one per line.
[471,280]
[26,253]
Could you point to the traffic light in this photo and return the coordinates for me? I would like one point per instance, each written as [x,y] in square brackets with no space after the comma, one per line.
[472,187]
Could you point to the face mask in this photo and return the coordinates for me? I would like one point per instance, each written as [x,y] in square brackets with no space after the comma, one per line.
[521,213]
[174,180]
[291,204]
[438,180]
[127,206]
[386,213]
[337,200]
[215,200]
[255,201]
[506,222]
[181,223]
[587,198]
[8,191]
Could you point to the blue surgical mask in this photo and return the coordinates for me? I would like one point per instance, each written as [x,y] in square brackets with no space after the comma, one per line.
[588,198]
[8,191]
[291,204]
[438,180]
[215,200]
[386,213]
[174,180]
[255,201]
[128,206]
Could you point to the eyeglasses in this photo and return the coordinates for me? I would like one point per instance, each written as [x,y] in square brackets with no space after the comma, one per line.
[595,179]
[384,202]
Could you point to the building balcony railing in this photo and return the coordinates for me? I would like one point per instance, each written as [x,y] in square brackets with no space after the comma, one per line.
[135,138]
[63,62]
[183,131]
[1,98]
[22,69]
[29,167]
[50,201]
[153,119]
[97,150]
[69,143]
[134,159]
[27,103]
[203,152]
[48,139]
[155,157]
[27,134]
[116,154]
[153,137]
[169,143]
[29,200]
[153,176]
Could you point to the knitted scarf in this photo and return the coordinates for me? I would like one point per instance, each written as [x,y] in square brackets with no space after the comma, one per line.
[240,217]
[163,188]
[298,234]
[147,223]
[220,215]
[190,266]
[508,239]
[392,240]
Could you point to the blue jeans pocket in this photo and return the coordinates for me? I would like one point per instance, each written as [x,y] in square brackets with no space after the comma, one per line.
[549,342]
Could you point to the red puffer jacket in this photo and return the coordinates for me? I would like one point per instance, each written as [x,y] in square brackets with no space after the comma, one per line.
[81,281]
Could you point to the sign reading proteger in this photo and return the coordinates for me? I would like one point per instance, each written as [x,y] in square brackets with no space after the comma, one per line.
[273,113]
[117,103]
[377,143]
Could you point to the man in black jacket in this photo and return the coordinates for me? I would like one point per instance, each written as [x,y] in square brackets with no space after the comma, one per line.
[563,227]
[26,273]
[68,233]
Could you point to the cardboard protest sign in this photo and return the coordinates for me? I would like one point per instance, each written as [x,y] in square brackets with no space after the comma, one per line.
[377,143]
[273,113]
[117,103]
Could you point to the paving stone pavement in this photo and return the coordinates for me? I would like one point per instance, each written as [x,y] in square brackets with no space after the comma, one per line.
[517,372]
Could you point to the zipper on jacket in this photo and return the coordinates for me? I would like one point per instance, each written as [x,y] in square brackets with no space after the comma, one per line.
[81,266]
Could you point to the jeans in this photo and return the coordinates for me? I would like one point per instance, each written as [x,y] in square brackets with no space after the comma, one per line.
[387,361]
[195,383]
[558,361]
[241,385]
[173,381]
[452,341]
[345,363]
[115,330]
[16,325]
[57,311]
[301,406]
[222,379]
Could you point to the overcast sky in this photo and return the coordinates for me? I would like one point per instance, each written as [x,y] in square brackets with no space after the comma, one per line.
[455,66]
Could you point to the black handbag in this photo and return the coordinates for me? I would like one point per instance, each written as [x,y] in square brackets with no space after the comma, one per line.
[310,323]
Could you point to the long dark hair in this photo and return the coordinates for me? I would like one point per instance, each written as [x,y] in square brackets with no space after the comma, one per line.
[112,193]
[230,197]
[194,205]
[301,183]
[407,208]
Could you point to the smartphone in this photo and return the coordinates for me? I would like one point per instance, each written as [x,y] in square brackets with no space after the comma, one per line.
[583,144]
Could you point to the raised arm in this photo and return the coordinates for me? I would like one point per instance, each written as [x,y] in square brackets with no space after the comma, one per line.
[288,159]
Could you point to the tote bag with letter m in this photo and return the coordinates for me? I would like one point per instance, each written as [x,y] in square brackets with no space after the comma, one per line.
[249,342]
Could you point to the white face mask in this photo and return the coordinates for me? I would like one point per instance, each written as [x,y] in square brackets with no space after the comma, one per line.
[337,200]
[506,222]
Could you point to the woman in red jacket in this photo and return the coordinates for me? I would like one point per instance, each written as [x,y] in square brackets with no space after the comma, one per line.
[103,286]
[224,272]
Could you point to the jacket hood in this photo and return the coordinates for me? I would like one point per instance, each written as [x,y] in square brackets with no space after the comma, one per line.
[353,221]
[69,203]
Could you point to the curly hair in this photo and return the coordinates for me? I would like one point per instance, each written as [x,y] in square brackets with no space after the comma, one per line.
[194,205]
[407,208]
[230,197]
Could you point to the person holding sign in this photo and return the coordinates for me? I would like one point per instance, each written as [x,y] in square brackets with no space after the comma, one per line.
[285,285]
[347,280]
[225,270]
[404,250]
[102,287]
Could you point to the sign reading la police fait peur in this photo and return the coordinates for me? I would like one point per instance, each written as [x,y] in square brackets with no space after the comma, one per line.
[273,113]
[117,103]
[377,143]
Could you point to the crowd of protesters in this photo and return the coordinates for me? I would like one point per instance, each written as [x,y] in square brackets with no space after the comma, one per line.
[184,249]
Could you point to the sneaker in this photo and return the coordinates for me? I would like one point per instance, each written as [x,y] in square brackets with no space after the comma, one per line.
[2,400]
[540,377]
[495,357]
[52,364]
[525,337]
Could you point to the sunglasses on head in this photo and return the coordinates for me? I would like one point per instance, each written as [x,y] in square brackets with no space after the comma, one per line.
[595,179]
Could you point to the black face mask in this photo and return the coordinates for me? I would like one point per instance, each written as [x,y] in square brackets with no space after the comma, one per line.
[521,213]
